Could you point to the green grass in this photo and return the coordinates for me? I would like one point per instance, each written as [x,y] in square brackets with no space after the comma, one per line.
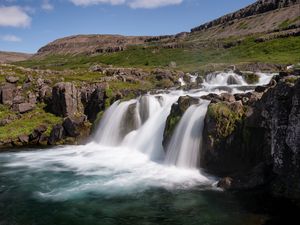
[283,51]
[27,123]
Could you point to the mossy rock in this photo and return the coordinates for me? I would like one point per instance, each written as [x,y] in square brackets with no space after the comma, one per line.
[224,117]
[251,78]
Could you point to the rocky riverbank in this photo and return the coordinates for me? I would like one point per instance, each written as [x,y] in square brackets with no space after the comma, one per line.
[42,107]
[252,139]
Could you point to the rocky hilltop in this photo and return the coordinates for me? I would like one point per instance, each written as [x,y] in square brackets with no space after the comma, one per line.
[268,19]
[92,44]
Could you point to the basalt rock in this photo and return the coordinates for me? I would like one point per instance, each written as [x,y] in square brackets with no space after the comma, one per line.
[95,103]
[66,100]
[77,127]
[7,94]
[57,134]
[262,148]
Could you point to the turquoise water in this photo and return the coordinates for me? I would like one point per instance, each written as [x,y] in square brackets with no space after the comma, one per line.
[84,185]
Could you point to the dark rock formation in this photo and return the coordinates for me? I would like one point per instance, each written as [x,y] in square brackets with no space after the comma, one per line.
[57,134]
[95,103]
[66,100]
[259,145]
[7,94]
[77,126]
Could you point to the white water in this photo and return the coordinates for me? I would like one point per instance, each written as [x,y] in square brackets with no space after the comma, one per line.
[185,145]
[122,160]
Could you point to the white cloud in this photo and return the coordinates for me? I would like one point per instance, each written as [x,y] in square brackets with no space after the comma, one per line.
[95,2]
[46,5]
[152,3]
[14,16]
[10,38]
[148,4]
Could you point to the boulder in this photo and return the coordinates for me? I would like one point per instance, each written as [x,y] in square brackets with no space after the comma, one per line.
[24,107]
[37,132]
[74,125]
[66,100]
[24,139]
[11,79]
[57,134]
[7,94]
[227,97]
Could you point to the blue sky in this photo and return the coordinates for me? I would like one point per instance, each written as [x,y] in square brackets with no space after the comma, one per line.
[27,25]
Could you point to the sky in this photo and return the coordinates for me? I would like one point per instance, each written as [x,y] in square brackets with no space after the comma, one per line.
[27,25]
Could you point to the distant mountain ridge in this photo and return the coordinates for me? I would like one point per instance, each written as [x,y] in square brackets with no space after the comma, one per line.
[259,7]
[8,57]
[278,18]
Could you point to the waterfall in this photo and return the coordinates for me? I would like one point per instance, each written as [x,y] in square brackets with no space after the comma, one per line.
[184,147]
[224,79]
[117,122]
[139,124]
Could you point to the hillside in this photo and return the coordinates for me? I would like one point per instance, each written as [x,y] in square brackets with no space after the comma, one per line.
[8,57]
[265,32]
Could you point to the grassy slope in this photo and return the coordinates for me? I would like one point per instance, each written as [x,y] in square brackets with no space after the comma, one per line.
[282,51]
[26,124]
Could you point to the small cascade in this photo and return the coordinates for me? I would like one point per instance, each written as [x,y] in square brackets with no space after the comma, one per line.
[148,138]
[183,150]
[117,122]
[224,79]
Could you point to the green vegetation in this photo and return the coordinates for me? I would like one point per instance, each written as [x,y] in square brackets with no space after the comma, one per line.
[26,123]
[285,24]
[251,78]
[243,26]
[283,51]
[224,117]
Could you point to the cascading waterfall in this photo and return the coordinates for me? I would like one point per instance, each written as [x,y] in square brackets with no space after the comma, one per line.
[126,155]
[184,147]
[224,79]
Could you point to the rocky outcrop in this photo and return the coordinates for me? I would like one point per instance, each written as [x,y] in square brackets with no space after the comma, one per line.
[66,100]
[95,103]
[7,94]
[258,142]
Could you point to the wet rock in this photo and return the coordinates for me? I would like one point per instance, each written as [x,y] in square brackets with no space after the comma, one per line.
[227,97]
[130,120]
[11,79]
[225,183]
